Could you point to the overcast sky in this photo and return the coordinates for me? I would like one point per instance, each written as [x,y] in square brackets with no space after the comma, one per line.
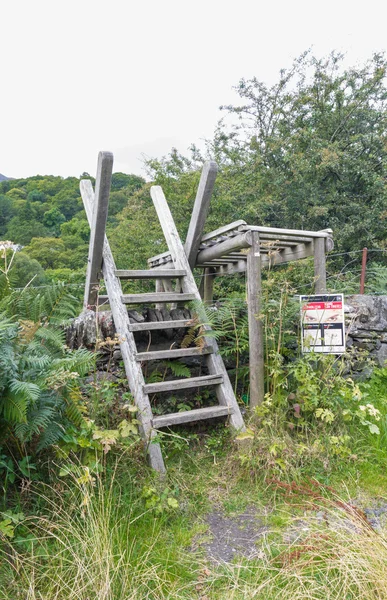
[138,77]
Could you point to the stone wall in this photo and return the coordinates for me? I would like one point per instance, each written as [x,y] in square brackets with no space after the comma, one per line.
[366,329]
[366,325]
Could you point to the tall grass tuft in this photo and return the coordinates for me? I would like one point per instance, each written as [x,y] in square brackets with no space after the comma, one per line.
[92,545]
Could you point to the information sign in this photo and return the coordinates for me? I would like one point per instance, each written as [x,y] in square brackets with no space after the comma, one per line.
[322,323]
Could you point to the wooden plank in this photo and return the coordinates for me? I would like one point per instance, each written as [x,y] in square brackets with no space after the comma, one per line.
[289,232]
[188,416]
[150,298]
[151,326]
[242,240]
[222,230]
[153,297]
[149,274]
[224,392]
[320,274]
[98,227]
[127,343]
[172,353]
[200,211]
[183,384]
[256,335]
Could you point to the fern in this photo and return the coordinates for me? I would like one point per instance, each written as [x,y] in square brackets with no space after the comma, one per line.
[39,389]
[177,368]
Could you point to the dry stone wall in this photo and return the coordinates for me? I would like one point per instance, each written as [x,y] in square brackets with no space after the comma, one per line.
[366,325]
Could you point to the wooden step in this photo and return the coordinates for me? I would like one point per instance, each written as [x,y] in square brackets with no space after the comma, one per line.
[173,353]
[160,298]
[182,384]
[147,274]
[188,416]
[153,325]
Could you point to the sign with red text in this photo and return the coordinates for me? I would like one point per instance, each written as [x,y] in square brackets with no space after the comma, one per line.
[322,323]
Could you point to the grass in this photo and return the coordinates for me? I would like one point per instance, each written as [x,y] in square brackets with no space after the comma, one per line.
[99,541]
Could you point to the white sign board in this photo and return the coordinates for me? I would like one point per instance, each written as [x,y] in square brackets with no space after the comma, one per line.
[322,323]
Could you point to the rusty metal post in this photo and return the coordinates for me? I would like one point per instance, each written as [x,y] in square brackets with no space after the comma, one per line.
[363,270]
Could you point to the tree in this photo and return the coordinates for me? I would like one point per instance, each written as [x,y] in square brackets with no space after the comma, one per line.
[26,269]
[48,251]
[7,211]
[309,152]
[53,220]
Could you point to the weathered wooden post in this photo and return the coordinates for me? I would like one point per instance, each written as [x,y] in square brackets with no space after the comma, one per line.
[200,211]
[320,273]
[208,292]
[257,366]
[97,227]
[159,288]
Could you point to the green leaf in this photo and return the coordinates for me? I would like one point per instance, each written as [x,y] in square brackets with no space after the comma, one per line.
[173,503]
[245,435]
[374,428]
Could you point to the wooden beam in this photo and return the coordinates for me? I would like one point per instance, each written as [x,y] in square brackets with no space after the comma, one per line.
[268,259]
[256,345]
[290,232]
[127,343]
[235,226]
[320,273]
[97,228]
[200,211]
[242,240]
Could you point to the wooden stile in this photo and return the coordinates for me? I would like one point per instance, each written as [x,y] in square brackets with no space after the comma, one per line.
[177,267]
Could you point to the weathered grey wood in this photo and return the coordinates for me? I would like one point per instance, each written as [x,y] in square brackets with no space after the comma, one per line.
[224,392]
[210,412]
[236,225]
[149,274]
[151,326]
[289,232]
[242,240]
[158,257]
[256,337]
[97,228]
[172,353]
[127,343]
[183,384]
[268,258]
[160,298]
[320,274]
[159,290]
[278,257]
[208,295]
[200,211]
[168,287]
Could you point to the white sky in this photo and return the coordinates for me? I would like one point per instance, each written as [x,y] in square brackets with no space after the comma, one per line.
[140,77]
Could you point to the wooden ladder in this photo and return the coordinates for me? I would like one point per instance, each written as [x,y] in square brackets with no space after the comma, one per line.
[179,269]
